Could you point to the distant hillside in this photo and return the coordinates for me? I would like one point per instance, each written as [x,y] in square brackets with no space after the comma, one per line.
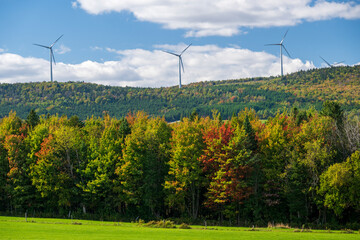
[266,95]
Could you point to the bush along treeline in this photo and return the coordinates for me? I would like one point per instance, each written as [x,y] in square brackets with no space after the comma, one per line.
[266,96]
[298,167]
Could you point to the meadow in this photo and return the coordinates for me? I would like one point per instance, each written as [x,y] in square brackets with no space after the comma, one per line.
[43,228]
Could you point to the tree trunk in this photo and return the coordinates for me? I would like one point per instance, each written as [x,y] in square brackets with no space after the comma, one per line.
[84,208]
[69,163]
[195,195]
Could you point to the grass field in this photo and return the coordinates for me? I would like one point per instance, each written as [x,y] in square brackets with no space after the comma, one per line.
[41,228]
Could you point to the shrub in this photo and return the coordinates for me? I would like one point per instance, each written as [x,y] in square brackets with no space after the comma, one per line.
[161,224]
[184,226]
[347,231]
[140,222]
[278,225]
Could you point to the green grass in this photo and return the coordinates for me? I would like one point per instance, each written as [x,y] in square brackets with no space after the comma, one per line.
[40,228]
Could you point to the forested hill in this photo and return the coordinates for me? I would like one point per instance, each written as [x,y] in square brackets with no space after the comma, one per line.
[266,95]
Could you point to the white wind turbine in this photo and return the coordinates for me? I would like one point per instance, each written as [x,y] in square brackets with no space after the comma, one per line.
[181,65]
[281,47]
[51,55]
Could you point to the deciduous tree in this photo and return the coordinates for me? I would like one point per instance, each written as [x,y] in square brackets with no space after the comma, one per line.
[185,179]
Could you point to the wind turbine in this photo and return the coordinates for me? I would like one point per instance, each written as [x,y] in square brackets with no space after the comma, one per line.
[51,55]
[181,65]
[331,65]
[281,47]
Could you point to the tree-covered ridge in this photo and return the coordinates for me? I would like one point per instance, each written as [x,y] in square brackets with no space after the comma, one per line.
[336,83]
[265,95]
[299,167]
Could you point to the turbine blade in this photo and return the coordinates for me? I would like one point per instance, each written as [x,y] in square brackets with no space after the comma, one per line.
[185,49]
[286,50]
[56,40]
[52,55]
[182,64]
[41,45]
[273,44]
[284,36]
[337,63]
[326,62]
[171,53]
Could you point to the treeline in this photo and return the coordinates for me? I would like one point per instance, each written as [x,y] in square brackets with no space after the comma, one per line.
[298,167]
[265,95]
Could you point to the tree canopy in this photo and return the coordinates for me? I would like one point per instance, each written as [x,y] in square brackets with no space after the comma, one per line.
[243,170]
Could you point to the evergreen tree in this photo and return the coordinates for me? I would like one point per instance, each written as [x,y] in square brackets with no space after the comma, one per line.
[194,115]
[333,110]
[250,135]
[74,121]
[32,119]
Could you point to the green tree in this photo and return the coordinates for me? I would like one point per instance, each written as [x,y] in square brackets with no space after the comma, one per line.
[105,145]
[9,126]
[340,185]
[251,142]
[74,121]
[92,130]
[32,119]
[333,110]
[296,190]
[20,189]
[194,115]
[55,172]
[248,120]
[185,179]
[143,167]
[310,155]
[274,146]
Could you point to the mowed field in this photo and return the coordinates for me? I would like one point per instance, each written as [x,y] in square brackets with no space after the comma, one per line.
[40,228]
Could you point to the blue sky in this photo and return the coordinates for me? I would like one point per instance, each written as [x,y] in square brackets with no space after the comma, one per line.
[119,43]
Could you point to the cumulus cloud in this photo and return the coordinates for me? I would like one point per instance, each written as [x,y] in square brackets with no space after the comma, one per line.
[225,17]
[144,68]
[15,68]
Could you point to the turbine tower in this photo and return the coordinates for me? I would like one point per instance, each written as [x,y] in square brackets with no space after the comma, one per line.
[281,47]
[181,65]
[331,65]
[51,55]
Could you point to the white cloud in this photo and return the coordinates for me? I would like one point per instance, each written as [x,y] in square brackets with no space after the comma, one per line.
[96,48]
[139,67]
[111,50]
[2,50]
[74,4]
[14,68]
[225,17]
[62,49]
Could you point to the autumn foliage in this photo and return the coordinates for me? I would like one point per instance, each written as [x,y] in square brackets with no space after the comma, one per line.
[295,167]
